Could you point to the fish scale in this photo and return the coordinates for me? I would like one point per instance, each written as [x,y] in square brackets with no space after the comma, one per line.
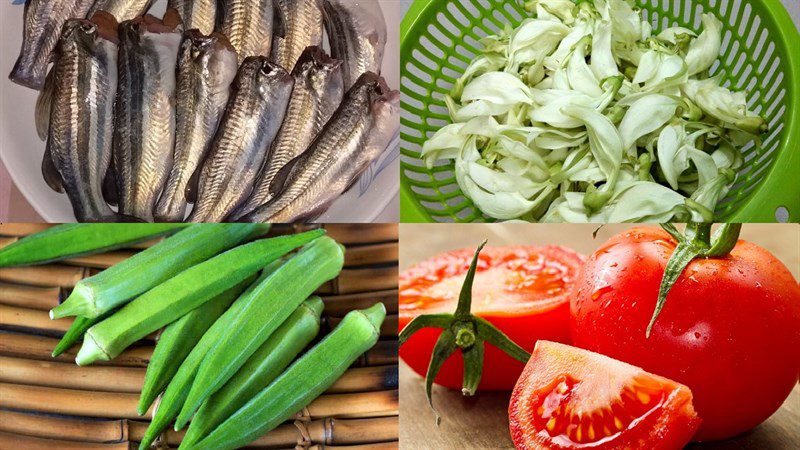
[301,24]
[79,133]
[317,93]
[122,10]
[260,94]
[356,134]
[42,24]
[357,34]
[248,25]
[196,14]
[145,111]
[206,68]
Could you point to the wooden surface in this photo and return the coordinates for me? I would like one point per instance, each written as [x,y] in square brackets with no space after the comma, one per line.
[482,421]
[45,402]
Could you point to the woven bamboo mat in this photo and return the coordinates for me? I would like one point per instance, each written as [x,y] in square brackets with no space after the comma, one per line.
[51,403]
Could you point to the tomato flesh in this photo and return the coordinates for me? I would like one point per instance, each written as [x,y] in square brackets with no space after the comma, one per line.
[521,290]
[569,398]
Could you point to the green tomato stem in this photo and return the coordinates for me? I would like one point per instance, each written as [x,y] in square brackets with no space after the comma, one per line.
[696,242]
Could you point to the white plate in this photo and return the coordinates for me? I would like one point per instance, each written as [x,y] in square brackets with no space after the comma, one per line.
[21,150]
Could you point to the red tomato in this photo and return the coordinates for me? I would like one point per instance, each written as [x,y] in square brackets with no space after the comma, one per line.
[521,290]
[730,328]
[569,398]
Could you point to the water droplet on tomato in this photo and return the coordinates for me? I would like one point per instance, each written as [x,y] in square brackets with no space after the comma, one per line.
[599,291]
[697,335]
[758,285]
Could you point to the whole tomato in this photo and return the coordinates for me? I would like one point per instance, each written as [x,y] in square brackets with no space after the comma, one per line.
[729,329]
[523,291]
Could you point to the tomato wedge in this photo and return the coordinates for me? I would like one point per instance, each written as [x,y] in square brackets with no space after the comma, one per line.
[570,398]
[521,290]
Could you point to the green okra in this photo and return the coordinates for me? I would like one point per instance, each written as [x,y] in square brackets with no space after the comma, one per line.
[120,283]
[76,331]
[261,369]
[178,387]
[267,307]
[182,293]
[178,339]
[78,239]
[301,383]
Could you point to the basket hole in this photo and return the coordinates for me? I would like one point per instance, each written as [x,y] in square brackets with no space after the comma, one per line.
[457,62]
[737,7]
[432,47]
[743,25]
[782,214]
[771,107]
[444,85]
[451,73]
[489,27]
[753,31]
[440,36]
[513,12]
[698,11]
[423,60]
[447,24]
[457,15]
[687,11]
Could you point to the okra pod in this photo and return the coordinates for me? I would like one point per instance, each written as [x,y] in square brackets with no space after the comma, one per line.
[76,331]
[259,371]
[178,339]
[77,239]
[178,387]
[182,293]
[118,284]
[267,307]
[301,383]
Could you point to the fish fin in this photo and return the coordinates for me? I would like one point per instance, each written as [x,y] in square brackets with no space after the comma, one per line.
[193,185]
[50,173]
[110,185]
[43,102]
[282,176]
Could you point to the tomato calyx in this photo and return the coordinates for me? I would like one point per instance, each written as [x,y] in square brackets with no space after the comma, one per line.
[695,242]
[462,331]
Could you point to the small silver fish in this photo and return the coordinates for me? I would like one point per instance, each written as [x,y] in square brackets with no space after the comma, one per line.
[260,94]
[248,25]
[357,34]
[206,67]
[196,14]
[317,93]
[83,82]
[357,133]
[144,129]
[122,9]
[43,20]
[298,24]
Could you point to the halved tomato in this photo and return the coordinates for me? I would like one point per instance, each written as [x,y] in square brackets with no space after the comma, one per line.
[570,398]
[523,291]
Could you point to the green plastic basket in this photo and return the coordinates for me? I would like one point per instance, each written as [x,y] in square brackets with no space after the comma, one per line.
[760,53]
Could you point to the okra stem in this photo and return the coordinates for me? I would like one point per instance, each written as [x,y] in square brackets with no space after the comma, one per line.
[182,293]
[268,306]
[264,366]
[301,383]
[118,284]
[77,239]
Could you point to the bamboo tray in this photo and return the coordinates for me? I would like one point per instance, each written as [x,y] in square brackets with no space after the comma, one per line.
[51,403]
